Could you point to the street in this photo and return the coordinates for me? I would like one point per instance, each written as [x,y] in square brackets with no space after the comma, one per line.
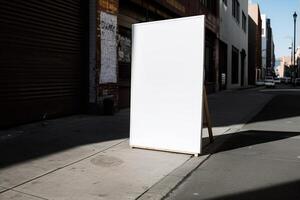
[255,155]
[261,161]
[88,157]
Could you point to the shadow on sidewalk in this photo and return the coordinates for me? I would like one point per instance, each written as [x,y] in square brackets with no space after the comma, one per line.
[58,135]
[231,110]
[290,108]
[246,139]
[288,190]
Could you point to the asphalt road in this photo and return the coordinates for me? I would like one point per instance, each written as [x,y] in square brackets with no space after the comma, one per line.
[261,161]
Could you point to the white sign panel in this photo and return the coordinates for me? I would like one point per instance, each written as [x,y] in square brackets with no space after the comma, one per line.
[108,26]
[167,85]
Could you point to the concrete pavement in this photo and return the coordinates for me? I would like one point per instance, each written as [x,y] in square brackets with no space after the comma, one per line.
[260,161]
[79,157]
[88,157]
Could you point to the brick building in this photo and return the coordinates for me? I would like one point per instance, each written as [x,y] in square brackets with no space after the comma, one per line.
[65,57]
[254,44]
[124,14]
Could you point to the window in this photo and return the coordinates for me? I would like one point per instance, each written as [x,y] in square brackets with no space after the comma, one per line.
[210,5]
[236,10]
[235,66]
[244,22]
[209,63]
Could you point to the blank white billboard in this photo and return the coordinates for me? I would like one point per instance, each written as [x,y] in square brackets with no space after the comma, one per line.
[167,85]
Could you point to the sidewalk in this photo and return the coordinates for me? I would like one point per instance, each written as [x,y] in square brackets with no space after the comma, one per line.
[88,157]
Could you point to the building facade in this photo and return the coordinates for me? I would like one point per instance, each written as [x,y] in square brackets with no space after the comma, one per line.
[254,44]
[268,47]
[127,12]
[66,57]
[234,42]
[76,56]
[264,35]
[285,67]
[211,63]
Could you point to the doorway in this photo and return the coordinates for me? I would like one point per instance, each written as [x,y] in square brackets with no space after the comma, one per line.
[223,66]
[243,57]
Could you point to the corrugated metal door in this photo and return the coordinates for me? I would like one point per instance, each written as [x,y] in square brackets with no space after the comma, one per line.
[41,59]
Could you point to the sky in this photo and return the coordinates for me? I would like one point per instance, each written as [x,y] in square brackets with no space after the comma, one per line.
[281,14]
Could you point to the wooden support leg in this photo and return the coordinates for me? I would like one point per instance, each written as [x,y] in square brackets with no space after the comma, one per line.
[207,116]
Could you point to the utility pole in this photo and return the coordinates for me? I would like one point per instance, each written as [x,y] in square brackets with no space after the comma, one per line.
[295,19]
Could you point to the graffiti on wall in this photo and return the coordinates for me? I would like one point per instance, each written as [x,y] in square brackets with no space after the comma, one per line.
[124,49]
[108,34]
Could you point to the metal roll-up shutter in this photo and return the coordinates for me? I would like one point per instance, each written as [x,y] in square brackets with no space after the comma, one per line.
[41,59]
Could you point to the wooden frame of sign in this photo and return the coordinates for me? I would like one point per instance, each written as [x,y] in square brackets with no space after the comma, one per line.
[167,87]
[207,118]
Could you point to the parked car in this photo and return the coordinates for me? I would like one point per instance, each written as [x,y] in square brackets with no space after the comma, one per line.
[260,82]
[297,81]
[277,80]
[269,81]
[286,80]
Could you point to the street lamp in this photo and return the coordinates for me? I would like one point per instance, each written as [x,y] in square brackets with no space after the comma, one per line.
[295,19]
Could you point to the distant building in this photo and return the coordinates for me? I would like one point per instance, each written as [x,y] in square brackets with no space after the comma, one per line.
[264,45]
[254,44]
[298,60]
[284,67]
[234,42]
[268,47]
[277,67]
